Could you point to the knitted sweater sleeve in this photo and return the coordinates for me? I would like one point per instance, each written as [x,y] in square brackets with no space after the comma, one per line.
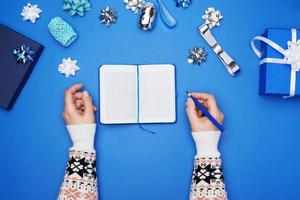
[207,180]
[80,178]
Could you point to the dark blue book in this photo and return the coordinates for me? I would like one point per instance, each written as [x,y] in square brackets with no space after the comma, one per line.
[15,73]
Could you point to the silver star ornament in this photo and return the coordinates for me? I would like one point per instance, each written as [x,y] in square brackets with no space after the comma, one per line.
[108,16]
[197,56]
[212,17]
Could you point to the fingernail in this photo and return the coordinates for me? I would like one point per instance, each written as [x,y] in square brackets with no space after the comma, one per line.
[187,102]
[85,94]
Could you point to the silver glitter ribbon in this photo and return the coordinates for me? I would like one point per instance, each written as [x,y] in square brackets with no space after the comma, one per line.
[212,18]
[148,14]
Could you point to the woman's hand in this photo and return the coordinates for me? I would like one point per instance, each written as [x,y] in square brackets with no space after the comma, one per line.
[79,108]
[198,121]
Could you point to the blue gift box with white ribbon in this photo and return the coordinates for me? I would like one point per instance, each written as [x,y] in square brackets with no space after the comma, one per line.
[279,61]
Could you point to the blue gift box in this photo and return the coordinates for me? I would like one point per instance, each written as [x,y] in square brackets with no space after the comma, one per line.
[275,78]
[13,74]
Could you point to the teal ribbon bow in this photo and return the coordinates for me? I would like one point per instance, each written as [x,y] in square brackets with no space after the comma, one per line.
[78,7]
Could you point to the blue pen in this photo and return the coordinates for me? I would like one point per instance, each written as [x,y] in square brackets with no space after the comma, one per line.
[206,113]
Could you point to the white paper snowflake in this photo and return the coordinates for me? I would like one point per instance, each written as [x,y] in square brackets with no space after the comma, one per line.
[31,12]
[68,67]
[134,5]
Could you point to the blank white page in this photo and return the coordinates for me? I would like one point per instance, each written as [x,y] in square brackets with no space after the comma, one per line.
[118,94]
[157,102]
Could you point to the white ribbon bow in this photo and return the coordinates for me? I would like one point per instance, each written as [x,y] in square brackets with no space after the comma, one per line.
[291,57]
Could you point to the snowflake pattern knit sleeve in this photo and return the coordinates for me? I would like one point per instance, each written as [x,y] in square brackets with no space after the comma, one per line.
[80,179]
[207,180]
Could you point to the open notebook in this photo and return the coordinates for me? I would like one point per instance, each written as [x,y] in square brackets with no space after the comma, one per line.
[137,94]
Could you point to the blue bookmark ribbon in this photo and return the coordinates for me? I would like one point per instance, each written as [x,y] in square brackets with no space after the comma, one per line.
[138,103]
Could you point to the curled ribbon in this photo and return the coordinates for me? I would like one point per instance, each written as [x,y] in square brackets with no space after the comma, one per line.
[166,16]
[291,57]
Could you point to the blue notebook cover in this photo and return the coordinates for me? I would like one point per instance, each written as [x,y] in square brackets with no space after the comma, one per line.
[13,75]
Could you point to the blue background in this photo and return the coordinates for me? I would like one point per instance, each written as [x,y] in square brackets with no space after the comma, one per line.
[260,149]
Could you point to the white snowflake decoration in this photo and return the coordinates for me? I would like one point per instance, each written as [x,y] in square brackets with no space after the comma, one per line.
[134,5]
[68,67]
[212,17]
[31,12]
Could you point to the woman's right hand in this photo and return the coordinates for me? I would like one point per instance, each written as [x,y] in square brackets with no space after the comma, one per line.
[198,121]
